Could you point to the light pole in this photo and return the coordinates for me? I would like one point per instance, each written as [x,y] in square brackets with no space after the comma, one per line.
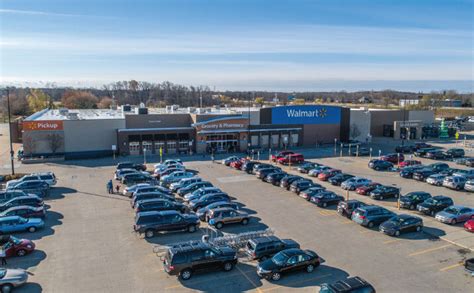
[341,151]
[380,153]
[10,132]
[144,156]
[357,151]
[335,146]
[370,154]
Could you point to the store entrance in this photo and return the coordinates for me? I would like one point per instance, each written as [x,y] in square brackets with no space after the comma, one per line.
[222,143]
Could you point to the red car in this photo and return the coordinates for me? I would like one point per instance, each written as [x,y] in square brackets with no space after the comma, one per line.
[15,246]
[409,163]
[324,176]
[25,212]
[365,190]
[393,158]
[291,158]
[281,155]
[469,225]
[238,164]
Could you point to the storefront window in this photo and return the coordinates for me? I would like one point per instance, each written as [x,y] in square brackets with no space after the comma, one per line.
[134,148]
[171,147]
[294,139]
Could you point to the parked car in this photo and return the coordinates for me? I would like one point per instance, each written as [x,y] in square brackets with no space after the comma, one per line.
[286,181]
[393,158]
[159,204]
[455,153]
[404,149]
[134,178]
[197,257]
[262,248]
[12,278]
[412,199]
[438,167]
[200,192]
[436,179]
[175,177]
[326,198]
[37,187]
[193,187]
[129,190]
[371,215]
[274,178]
[421,145]
[407,172]
[401,224]
[229,160]
[259,166]
[130,165]
[6,195]
[286,261]
[448,172]
[407,163]
[25,212]
[454,182]
[351,143]
[469,225]
[149,195]
[469,266]
[435,155]
[380,165]
[207,200]
[385,191]
[455,214]
[468,174]
[365,190]
[354,183]
[434,204]
[354,284]
[122,172]
[423,174]
[361,152]
[262,173]
[150,223]
[47,177]
[291,159]
[151,188]
[14,246]
[238,164]
[469,185]
[18,224]
[163,168]
[317,170]
[300,185]
[30,200]
[421,152]
[469,162]
[310,192]
[248,166]
[219,217]
[339,178]
[325,175]
[280,155]
[305,167]
[202,213]
[175,187]
[345,208]
[158,173]
[168,163]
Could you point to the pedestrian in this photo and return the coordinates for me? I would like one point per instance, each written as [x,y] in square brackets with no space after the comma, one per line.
[118,188]
[3,257]
[110,187]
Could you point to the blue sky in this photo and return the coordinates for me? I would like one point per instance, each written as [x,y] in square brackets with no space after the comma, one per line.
[241,44]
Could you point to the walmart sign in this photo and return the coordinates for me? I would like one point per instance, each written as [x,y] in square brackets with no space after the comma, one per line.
[307,114]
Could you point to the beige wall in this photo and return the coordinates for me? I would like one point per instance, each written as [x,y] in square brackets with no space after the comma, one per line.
[157,120]
[382,117]
[426,117]
[91,135]
[361,120]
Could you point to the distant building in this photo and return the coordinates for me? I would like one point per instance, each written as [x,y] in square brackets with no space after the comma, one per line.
[407,102]
[365,100]
[451,103]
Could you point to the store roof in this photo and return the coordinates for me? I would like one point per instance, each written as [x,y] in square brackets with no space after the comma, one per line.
[75,114]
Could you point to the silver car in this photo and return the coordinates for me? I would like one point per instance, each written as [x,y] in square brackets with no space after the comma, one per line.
[469,185]
[455,214]
[435,179]
[11,278]
[454,182]
[354,183]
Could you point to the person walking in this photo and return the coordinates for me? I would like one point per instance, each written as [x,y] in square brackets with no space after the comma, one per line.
[118,188]
[110,187]
[3,257]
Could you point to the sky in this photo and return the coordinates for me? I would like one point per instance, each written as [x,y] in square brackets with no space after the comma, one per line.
[273,45]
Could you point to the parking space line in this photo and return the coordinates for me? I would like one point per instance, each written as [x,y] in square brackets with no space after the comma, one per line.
[391,241]
[346,222]
[451,267]
[429,250]
[296,282]
[204,281]
[365,231]
[248,279]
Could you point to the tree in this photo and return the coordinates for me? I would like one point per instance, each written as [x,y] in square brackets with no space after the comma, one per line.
[38,100]
[29,145]
[299,101]
[105,103]
[260,101]
[55,142]
[354,131]
[79,100]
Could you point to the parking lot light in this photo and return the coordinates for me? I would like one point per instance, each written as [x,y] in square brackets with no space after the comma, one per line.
[357,151]
[370,154]
[335,146]
[341,151]
[380,153]
[398,159]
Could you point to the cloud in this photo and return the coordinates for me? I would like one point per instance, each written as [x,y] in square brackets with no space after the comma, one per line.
[34,12]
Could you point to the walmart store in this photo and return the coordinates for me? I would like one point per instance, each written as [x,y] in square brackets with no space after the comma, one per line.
[132,131]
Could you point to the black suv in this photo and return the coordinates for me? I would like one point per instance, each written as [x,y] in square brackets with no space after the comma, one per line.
[434,204]
[379,165]
[455,153]
[186,259]
[300,185]
[404,149]
[384,191]
[412,199]
[345,208]
[262,248]
[248,166]
[286,181]
[260,166]
[149,223]
[262,173]
[422,174]
[130,165]
[274,178]
[407,172]
[438,167]
[354,284]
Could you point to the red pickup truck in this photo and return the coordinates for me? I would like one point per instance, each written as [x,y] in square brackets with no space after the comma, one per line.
[281,155]
[291,159]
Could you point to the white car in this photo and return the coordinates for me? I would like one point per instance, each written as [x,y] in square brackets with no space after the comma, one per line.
[184,182]
[166,167]
[121,172]
[315,172]
[48,177]
[168,163]
[355,182]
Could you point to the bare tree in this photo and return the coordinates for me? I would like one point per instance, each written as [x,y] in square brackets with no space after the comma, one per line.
[55,142]
[29,145]
[354,132]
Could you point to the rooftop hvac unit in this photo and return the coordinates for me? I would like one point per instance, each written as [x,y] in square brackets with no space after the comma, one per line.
[73,116]
[63,111]
[141,111]
[191,110]
[126,108]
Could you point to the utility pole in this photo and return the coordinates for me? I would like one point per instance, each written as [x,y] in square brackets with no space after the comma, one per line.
[10,131]
[200,98]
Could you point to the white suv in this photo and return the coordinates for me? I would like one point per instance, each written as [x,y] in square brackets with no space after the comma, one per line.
[48,177]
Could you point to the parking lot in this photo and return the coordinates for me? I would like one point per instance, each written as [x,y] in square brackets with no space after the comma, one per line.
[88,244]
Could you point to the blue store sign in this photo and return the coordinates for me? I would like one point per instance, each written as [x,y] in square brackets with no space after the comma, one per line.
[306,114]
